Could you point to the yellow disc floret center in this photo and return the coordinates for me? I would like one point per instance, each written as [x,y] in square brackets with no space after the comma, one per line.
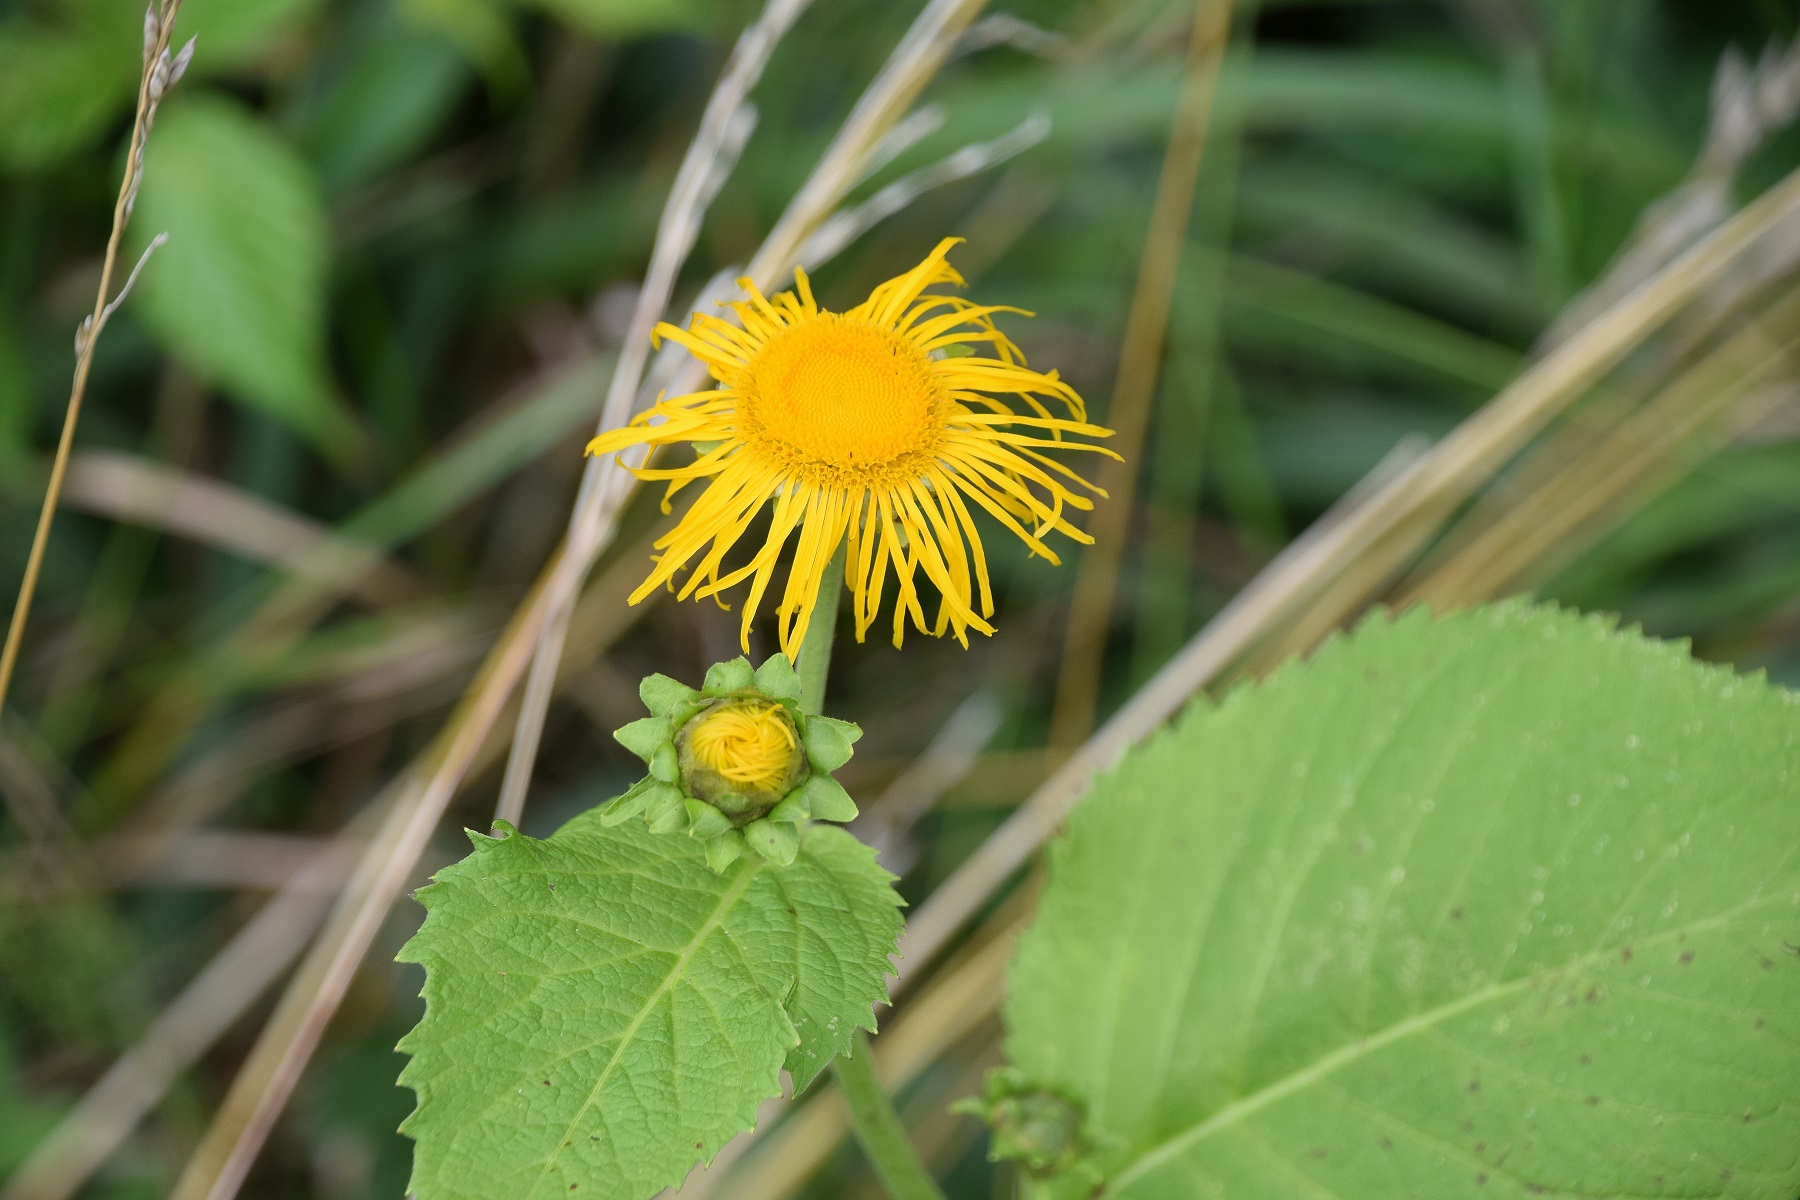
[750,744]
[838,391]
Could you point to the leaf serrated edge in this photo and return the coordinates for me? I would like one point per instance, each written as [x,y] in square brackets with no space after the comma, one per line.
[415,952]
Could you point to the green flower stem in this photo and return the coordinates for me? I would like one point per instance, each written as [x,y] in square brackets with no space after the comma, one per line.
[872,1114]
[815,651]
[878,1127]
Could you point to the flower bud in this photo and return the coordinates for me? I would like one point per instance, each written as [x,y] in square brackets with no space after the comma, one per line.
[735,765]
[1037,1127]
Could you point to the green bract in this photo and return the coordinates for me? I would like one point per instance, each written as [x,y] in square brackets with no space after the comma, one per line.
[681,794]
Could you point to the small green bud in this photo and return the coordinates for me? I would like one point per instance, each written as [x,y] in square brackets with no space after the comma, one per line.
[741,752]
[1040,1128]
[736,765]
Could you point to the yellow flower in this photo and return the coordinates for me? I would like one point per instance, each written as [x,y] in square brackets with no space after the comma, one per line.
[750,744]
[878,424]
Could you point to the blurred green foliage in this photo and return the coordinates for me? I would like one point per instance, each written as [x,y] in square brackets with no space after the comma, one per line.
[403,240]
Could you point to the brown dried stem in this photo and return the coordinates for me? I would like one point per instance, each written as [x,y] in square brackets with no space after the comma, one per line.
[724,127]
[161,71]
[1146,325]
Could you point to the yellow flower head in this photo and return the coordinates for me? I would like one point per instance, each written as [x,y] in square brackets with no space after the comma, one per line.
[750,744]
[878,424]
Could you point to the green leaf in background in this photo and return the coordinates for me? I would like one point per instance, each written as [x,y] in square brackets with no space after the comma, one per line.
[59,88]
[239,289]
[484,29]
[602,1011]
[1501,905]
[63,84]
[626,18]
[233,32]
[17,410]
[398,85]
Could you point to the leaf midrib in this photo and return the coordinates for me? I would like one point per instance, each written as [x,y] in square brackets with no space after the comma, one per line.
[1166,1150]
[727,900]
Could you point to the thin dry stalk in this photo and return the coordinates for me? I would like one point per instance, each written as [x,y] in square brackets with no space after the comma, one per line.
[1416,502]
[887,820]
[160,73]
[1551,500]
[129,487]
[928,43]
[724,127]
[1569,508]
[1146,325]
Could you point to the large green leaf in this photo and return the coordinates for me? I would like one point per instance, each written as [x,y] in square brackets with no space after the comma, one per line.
[239,289]
[602,1010]
[1500,905]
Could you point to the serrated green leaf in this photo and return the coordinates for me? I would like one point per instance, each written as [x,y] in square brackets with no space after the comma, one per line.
[603,1010]
[828,742]
[1497,905]
[239,288]
[849,918]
